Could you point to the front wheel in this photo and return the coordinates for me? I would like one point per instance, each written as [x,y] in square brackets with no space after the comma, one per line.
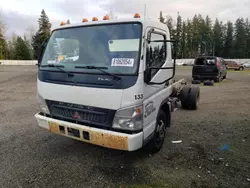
[157,141]
[241,68]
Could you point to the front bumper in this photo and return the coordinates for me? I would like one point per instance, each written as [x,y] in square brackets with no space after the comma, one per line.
[105,138]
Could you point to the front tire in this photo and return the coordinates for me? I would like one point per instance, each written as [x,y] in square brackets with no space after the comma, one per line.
[156,143]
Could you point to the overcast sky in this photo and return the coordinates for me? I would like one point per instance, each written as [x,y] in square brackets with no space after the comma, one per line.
[21,15]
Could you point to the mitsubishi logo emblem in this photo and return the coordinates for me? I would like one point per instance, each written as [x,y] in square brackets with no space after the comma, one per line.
[76,115]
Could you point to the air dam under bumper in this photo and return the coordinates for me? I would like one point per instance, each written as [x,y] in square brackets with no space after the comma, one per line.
[105,138]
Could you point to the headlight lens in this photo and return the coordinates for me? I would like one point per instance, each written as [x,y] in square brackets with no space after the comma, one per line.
[129,118]
[43,106]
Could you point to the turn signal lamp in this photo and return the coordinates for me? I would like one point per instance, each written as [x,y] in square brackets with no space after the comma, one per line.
[62,23]
[106,17]
[94,19]
[137,15]
[84,20]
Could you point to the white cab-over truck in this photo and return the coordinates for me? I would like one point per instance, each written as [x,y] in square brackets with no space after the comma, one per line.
[110,83]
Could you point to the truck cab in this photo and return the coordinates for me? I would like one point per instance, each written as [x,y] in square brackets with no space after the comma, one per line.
[115,92]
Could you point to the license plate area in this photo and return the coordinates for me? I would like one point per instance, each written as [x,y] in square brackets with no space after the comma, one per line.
[73,132]
[68,131]
[89,136]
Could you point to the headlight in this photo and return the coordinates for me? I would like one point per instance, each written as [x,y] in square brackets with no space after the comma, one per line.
[129,118]
[43,106]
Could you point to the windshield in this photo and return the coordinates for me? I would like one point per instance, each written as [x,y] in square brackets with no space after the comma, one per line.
[115,47]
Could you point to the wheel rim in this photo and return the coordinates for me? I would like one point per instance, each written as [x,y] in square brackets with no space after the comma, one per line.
[160,132]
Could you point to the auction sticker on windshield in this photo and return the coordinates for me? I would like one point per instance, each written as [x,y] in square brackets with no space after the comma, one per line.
[122,62]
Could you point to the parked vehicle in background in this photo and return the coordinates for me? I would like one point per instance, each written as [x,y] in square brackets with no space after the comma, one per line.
[234,65]
[209,68]
[246,65]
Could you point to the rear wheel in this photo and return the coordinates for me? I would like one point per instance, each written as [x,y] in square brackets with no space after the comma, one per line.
[157,141]
[241,68]
[208,83]
[196,81]
[190,97]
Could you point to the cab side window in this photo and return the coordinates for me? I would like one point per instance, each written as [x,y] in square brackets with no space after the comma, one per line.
[156,53]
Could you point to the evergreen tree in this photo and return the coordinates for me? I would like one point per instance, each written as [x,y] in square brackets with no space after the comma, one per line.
[44,26]
[240,43]
[208,36]
[200,37]
[247,25]
[22,51]
[161,18]
[217,38]
[2,45]
[178,35]
[10,46]
[169,22]
[189,39]
[195,36]
[202,32]
[43,32]
[183,44]
[228,45]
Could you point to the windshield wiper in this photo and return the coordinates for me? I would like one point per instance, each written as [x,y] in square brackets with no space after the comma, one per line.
[59,67]
[99,68]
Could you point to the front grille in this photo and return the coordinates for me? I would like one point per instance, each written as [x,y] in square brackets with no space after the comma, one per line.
[78,114]
[81,113]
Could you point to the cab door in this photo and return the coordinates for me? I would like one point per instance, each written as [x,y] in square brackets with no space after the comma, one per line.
[157,54]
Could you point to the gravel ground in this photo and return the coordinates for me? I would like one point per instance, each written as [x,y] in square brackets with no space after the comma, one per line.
[32,157]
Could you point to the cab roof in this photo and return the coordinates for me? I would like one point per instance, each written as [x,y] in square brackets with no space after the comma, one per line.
[145,22]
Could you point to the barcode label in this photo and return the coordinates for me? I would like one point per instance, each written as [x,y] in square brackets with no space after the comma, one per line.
[122,62]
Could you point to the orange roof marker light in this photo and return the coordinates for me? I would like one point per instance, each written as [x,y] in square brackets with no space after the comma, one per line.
[106,17]
[84,20]
[94,19]
[62,23]
[137,15]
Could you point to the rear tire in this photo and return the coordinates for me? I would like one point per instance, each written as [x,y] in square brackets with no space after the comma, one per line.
[196,82]
[190,97]
[208,83]
[156,143]
[184,96]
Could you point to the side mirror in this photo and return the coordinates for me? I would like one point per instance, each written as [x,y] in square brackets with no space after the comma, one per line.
[39,51]
[147,75]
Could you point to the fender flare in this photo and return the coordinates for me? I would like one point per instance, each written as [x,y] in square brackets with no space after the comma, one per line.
[166,107]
